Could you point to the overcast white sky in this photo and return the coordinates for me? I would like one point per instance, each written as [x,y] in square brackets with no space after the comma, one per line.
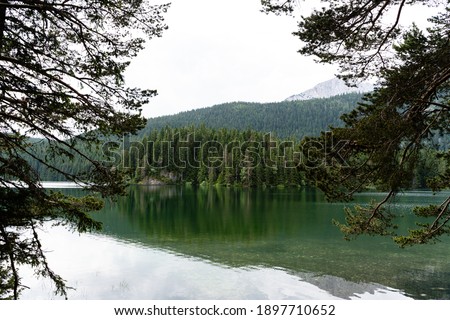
[219,51]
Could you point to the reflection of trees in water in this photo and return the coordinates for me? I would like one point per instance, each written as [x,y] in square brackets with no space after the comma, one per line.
[289,229]
[213,213]
[426,283]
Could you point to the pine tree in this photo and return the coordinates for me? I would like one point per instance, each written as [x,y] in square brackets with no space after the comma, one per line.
[385,135]
[62,69]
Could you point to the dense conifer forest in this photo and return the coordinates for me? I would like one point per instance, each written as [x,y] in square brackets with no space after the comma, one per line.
[285,119]
[234,144]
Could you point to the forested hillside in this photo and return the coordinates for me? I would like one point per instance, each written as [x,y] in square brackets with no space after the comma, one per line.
[220,144]
[67,163]
[286,119]
[201,155]
[294,119]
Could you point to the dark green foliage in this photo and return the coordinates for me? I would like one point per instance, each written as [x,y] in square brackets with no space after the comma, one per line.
[390,137]
[278,6]
[286,119]
[355,34]
[200,155]
[133,153]
[61,78]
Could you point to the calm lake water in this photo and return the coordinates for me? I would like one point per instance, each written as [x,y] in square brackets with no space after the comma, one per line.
[218,243]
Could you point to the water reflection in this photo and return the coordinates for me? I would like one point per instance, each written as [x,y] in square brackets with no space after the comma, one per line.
[101,267]
[217,213]
[220,243]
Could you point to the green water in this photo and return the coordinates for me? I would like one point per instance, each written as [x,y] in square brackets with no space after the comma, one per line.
[211,237]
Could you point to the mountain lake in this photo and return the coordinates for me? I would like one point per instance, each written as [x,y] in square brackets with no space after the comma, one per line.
[173,242]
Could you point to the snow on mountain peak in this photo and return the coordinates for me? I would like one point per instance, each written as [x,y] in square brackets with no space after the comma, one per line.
[331,88]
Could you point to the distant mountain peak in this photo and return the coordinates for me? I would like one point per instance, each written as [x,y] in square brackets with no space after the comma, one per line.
[330,88]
